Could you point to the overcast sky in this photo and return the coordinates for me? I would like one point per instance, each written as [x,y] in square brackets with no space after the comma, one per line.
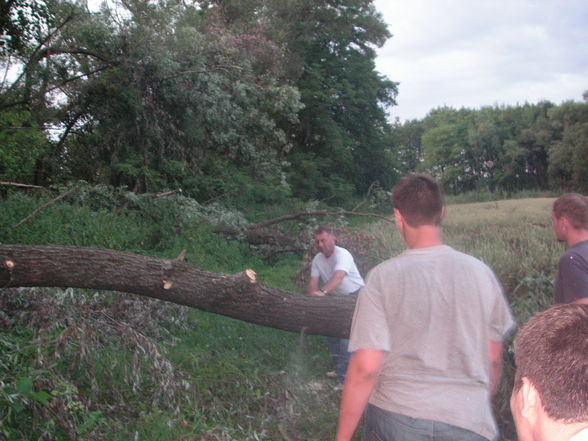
[473,53]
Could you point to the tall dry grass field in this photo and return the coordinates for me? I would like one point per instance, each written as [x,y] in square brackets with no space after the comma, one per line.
[514,238]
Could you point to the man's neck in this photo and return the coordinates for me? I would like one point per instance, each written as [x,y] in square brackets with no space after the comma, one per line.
[576,236]
[555,431]
[425,236]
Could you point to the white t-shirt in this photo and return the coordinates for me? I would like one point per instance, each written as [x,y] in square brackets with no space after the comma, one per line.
[582,435]
[324,267]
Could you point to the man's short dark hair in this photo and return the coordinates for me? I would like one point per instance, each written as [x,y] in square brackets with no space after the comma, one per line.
[323,229]
[574,207]
[419,199]
[551,351]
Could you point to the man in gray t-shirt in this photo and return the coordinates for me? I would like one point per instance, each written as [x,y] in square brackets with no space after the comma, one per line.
[426,335]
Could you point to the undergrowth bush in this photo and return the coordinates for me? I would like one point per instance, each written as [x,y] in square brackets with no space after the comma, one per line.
[110,366]
[64,374]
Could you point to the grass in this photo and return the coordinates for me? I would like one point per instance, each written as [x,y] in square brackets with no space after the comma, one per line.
[235,380]
[514,237]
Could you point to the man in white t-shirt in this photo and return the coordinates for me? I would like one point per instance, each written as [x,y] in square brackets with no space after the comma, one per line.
[549,400]
[335,269]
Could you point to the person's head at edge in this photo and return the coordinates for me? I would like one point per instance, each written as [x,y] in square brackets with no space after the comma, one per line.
[549,401]
[418,210]
[325,240]
[570,218]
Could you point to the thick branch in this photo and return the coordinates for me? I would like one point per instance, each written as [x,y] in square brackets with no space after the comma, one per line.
[237,295]
[45,53]
[18,184]
[166,193]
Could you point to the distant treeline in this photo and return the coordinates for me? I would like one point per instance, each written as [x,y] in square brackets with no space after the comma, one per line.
[506,149]
[248,99]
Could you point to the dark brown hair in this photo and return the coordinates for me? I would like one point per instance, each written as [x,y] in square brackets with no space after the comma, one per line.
[574,207]
[419,199]
[551,351]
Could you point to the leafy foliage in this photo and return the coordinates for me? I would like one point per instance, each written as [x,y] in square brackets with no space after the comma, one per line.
[20,22]
[500,149]
[87,365]
[81,345]
[344,119]
[23,143]
[209,97]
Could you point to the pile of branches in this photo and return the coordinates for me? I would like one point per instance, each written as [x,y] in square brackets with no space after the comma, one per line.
[85,348]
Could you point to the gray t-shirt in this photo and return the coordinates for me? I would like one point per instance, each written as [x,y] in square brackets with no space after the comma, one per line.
[571,282]
[433,310]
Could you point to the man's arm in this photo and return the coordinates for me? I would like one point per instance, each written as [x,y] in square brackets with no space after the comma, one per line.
[495,358]
[330,286]
[359,383]
[313,285]
[582,301]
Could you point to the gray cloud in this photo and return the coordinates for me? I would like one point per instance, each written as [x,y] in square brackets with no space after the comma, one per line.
[473,53]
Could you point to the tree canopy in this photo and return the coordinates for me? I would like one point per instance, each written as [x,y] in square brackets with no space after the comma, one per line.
[211,96]
[508,148]
[255,99]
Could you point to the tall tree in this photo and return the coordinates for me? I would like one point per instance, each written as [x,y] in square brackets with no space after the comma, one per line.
[160,94]
[484,149]
[568,155]
[444,148]
[329,56]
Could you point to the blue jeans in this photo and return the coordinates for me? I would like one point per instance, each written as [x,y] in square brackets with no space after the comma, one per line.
[381,425]
[339,355]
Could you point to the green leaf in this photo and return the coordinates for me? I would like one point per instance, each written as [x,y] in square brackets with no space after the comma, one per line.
[18,406]
[41,397]
[24,386]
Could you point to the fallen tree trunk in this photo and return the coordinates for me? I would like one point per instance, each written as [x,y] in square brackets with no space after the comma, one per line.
[234,295]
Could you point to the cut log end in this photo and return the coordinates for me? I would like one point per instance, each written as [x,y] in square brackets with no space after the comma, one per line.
[251,275]
[9,264]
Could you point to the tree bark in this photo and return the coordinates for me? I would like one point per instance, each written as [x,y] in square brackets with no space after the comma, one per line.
[234,295]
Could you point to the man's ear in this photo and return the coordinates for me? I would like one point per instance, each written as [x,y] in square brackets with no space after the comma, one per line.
[398,218]
[531,404]
[564,223]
